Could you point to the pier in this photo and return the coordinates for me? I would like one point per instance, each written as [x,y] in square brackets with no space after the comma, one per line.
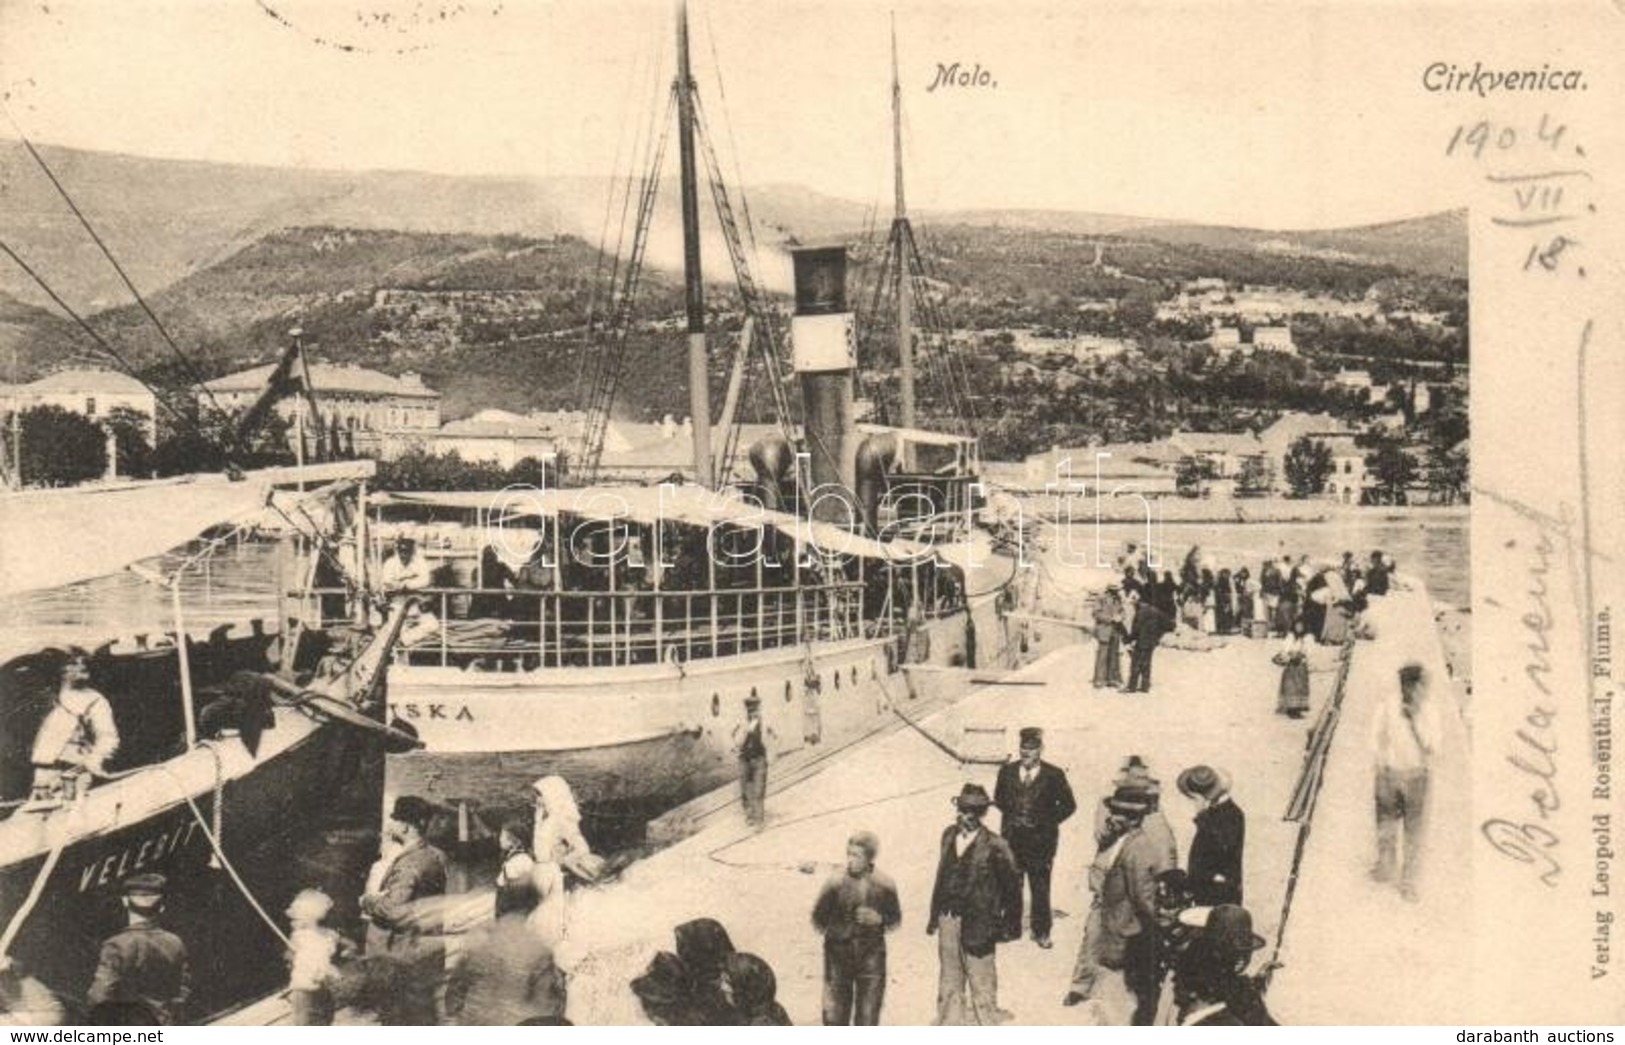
[1350,949]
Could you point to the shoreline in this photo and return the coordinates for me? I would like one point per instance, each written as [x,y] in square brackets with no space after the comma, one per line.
[1181,510]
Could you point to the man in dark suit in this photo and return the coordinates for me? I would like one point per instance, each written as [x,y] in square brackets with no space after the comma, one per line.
[144,966]
[1034,799]
[1145,631]
[417,962]
[1214,866]
[977,885]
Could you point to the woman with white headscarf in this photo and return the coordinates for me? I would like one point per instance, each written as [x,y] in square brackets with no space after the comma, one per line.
[558,846]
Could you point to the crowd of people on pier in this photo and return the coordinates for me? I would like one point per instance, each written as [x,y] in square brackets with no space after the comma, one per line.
[1172,927]
[1294,600]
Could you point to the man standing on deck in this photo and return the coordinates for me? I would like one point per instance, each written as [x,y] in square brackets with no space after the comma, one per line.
[1404,737]
[77,736]
[1034,800]
[855,910]
[417,964]
[976,888]
[750,739]
[144,964]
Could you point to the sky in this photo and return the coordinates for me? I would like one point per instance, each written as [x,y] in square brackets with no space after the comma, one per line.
[1295,115]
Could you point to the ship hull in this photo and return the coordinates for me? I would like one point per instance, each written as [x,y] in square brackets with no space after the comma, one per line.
[299,811]
[636,741]
[280,832]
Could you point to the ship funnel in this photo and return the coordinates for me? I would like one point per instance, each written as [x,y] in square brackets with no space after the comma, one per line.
[824,341]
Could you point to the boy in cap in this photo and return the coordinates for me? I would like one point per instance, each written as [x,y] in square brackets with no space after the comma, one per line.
[1034,800]
[144,964]
[855,910]
[751,742]
[976,887]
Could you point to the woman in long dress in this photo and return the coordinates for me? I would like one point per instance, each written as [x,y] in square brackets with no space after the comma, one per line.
[1224,604]
[1334,624]
[1209,589]
[557,844]
[1244,601]
[1293,699]
[1108,638]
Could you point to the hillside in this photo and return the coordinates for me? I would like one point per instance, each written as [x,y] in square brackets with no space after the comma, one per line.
[167,218]
[1433,245]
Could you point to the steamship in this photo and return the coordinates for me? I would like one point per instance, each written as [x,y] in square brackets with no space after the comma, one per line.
[613,634]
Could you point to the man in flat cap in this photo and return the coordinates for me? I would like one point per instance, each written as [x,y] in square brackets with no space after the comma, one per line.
[976,887]
[144,964]
[855,910]
[1034,800]
[417,871]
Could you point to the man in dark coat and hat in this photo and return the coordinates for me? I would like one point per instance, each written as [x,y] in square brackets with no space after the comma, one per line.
[143,965]
[1145,631]
[1124,935]
[977,886]
[1034,800]
[415,963]
[1221,833]
[1211,987]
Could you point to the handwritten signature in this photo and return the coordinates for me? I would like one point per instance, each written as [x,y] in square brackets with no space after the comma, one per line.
[1534,747]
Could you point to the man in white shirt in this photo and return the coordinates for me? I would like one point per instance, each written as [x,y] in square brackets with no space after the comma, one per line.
[406,571]
[1404,738]
[78,734]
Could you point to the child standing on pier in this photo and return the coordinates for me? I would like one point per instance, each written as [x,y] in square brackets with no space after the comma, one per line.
[313,951]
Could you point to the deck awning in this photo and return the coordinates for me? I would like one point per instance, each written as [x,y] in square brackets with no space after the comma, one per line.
[52,538]
[691,505]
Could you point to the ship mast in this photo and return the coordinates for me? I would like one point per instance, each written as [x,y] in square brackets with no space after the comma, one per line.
[699,391]
[902,238]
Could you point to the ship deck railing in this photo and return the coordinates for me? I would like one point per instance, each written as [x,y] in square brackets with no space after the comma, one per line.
[512,630]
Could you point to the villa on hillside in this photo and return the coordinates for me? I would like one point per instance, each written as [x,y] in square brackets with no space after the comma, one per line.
[373,409]
[92,393]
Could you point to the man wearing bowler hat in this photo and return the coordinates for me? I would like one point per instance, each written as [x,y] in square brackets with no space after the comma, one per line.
[1211,987]
[1034,799]
[418,871]
[144,964]
[1125,935]
[977,886]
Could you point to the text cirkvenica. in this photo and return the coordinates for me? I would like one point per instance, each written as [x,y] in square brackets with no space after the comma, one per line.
[1441,77]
